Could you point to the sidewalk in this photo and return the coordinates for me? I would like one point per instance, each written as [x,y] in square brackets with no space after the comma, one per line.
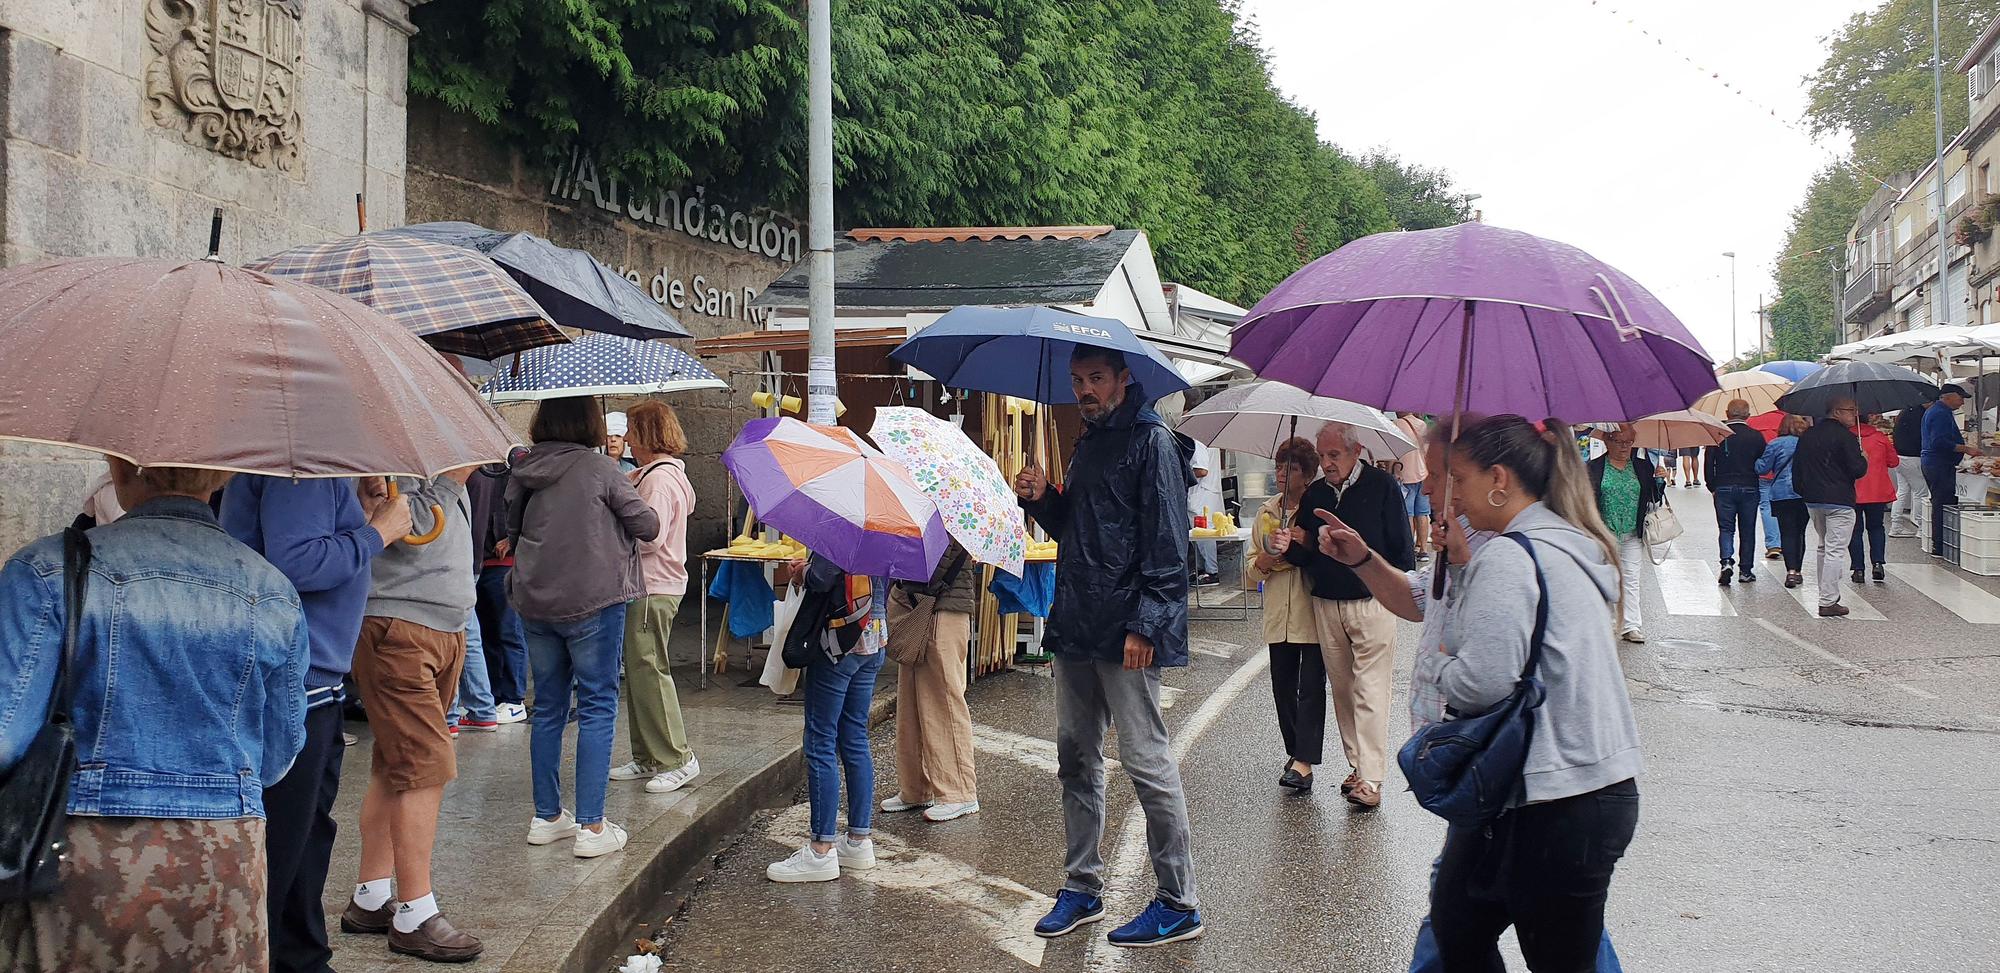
[543,909]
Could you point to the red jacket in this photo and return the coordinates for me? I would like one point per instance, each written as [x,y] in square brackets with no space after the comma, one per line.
[1876,486]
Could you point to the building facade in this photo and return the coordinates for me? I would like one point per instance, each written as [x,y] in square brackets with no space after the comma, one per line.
[1981,67]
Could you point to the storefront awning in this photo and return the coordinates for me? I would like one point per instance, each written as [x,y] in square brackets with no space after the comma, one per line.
[751,342]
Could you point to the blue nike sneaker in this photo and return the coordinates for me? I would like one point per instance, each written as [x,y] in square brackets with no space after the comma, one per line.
[1159,925]
[1072,909]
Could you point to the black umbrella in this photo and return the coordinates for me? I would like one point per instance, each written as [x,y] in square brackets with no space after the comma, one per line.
[577,289]
[1874,387]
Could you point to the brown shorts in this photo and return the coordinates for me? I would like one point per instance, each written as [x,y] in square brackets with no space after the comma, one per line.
[407,675]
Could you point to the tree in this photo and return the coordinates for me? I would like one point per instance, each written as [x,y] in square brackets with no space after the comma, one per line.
[1419,198]
[1876,85]
[1805,317]
[1155,114]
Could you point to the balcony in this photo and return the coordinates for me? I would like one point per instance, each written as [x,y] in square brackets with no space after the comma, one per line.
[1867,292]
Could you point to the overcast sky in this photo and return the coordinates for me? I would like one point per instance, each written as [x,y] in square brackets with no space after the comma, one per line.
[1572,125]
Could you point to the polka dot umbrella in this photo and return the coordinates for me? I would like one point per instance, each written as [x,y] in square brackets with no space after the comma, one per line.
[599,364]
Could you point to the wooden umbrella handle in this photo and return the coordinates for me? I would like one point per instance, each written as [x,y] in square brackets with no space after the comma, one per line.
[437,520]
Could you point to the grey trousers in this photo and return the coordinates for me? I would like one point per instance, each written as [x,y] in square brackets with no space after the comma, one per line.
[1090,696]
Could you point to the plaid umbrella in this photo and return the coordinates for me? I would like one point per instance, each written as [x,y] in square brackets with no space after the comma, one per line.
[458,301]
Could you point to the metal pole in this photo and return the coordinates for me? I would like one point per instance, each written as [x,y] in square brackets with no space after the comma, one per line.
[820,379]
[1937,93]
[1733,344]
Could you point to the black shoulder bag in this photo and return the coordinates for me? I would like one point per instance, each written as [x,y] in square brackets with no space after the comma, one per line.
[34,794]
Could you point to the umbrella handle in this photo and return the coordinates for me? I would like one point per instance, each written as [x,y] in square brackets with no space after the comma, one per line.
[437,521]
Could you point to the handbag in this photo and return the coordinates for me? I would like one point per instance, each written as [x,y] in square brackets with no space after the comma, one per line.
[1467,771]
[913,614]
[1661,525]
[34,797]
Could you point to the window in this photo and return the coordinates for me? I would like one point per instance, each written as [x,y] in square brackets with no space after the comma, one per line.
[1903,230]
[1954,188]
[1985,178]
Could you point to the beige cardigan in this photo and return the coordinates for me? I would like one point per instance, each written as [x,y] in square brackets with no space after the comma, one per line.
[1288,613]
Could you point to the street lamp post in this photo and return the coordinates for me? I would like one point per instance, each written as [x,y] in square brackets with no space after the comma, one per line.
[1732,303]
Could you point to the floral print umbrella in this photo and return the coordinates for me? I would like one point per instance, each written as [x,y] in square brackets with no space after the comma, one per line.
[977,505]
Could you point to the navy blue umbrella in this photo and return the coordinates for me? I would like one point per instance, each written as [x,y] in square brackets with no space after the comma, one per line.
[599,364]
[1024,352]
[577,289]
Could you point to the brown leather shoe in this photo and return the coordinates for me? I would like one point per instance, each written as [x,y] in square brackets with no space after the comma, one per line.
[1366,795]
[356,919]
[437,941]
[1835,610]
[1347,786]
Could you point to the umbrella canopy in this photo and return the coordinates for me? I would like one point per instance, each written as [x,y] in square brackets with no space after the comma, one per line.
[975,501]
[1760,389]
[839,496]
[599,364]
[577,289]
[1873,386]
[457,300]
[1024,352]
[1673,430]
[202,364]
[1921,343]
[1256,417]
[1789,370]
[1540,328]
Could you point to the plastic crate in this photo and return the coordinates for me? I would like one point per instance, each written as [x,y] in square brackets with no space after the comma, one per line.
[1975,523]
[1988,567]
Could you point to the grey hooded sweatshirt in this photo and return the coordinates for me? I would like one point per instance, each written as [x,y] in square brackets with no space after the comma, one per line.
[1585,735]
[576,523]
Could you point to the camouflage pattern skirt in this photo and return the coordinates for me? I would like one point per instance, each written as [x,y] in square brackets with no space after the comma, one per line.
[148,894]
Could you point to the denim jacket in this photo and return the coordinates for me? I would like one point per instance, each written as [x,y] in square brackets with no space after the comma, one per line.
[189,674]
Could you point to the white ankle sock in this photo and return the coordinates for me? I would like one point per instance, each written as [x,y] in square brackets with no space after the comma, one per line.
[375,894]
[410,915]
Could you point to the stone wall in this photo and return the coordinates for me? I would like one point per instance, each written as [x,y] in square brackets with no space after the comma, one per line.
[98,156]
[458,171]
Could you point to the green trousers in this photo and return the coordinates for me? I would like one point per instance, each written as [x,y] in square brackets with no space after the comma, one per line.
[653,710]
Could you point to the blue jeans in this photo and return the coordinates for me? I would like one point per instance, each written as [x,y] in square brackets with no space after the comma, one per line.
[475,694]
[837,700]
[580,656]
[1765,518]
[500,633]
[1736,516]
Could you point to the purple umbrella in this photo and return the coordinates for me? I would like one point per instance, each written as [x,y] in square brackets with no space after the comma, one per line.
[1474,317]
[839,496]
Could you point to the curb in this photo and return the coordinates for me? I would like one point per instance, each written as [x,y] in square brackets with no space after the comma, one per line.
[664,877]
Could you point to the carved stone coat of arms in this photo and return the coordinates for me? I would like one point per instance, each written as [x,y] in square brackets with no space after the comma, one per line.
[226,75]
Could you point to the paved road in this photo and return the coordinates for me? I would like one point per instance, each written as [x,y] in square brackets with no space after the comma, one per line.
[1819,795]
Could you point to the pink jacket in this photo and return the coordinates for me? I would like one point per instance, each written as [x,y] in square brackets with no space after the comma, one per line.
[663,560]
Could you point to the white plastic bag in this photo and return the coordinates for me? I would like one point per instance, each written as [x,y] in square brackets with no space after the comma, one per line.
[780,679]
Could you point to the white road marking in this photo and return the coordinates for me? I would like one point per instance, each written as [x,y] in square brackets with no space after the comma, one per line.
[1020,748]
[1914,691]
[1958,596]
[1130,855]
[1006,909]
[1807,595]
[1689,589]
[1809,647]
[1213,647]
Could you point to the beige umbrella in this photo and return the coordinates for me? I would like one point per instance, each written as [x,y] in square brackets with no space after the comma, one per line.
[164,362]
[1760,389]
[1673,430]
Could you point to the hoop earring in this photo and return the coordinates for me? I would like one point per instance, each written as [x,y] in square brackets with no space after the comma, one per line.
[1496,503]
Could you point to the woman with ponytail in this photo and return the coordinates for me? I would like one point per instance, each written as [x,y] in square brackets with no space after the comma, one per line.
[1544,866]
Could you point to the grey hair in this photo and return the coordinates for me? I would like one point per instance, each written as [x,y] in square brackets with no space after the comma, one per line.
[1346,432]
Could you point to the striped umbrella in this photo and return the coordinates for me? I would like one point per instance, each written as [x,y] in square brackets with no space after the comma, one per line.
[459,301]
[839,496]
[599,364]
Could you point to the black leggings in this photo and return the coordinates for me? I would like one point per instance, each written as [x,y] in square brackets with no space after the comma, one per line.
[1792,517]
[1298,682]
[1544,869]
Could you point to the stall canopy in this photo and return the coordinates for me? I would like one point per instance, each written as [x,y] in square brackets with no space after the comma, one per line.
[901,279]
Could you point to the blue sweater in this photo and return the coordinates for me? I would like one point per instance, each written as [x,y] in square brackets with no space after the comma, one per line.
[1941,436]
[315,534]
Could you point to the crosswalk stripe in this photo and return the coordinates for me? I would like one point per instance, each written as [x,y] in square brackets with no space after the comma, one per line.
[1858,608]
[1690,589]
[1958,596]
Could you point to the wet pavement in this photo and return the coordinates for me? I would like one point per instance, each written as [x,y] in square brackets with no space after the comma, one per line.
[1819,795]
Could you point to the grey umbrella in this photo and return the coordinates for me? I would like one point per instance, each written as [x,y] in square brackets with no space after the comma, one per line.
[1256,417]
[1874,387]
[577,289]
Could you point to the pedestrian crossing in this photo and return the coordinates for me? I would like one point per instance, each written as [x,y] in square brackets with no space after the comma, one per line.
[1688,587]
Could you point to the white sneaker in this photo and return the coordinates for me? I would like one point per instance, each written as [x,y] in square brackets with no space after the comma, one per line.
[1634,636]
[855,855]
[542,832]
[630,771]
[951,812]
[670,781]
[506,713]
[805,866]
[590,844]
[897,805]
